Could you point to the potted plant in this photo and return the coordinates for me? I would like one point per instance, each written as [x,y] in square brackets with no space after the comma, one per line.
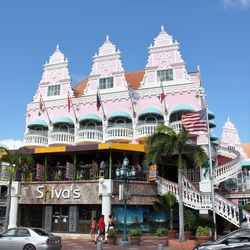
[111,236]
[162,233]
[203,234]
[189,220]
[167,203]
[135,236]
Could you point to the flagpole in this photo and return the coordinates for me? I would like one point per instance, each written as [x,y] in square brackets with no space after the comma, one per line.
[165,105]
[133,107]
[72,106]
[45,109]
[98,92]
[211,172]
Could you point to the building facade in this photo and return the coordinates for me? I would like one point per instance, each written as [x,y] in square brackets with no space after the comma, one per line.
[79,136]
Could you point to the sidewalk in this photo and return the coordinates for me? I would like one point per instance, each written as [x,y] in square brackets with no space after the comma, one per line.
[148,242]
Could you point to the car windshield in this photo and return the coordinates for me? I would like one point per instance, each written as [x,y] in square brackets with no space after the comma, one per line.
[41,232]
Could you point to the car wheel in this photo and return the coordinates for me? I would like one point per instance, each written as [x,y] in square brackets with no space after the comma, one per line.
[29,247]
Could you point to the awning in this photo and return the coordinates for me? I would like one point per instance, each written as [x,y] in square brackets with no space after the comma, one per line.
[120,114]
[182,107]
[150,110]
[213,137]
[38,122]
[245,163]
[212,124]
[211,114]
[90,117]
[63,120]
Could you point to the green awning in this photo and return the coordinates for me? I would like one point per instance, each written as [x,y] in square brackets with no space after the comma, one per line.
[211,114]
[182,107]
[150,111]
[120,114]
[213,137]
[215,142]
[63,120]
[245,163]
[38,122]
[212,124]
[90,117]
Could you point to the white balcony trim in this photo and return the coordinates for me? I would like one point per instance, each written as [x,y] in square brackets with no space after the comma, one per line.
[144,130]
[61,138]
[119,133]
[32,139]
[89,135]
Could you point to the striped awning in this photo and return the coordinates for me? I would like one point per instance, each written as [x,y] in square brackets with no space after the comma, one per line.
[38,122]
[181,107]
[63,120]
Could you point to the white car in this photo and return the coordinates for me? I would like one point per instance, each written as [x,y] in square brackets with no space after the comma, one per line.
[25,238]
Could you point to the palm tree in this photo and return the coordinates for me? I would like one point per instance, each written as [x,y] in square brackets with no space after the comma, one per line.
[164,143]
[167,204]
[19,160]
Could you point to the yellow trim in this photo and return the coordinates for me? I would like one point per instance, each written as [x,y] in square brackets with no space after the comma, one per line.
[123,146]
[50,150]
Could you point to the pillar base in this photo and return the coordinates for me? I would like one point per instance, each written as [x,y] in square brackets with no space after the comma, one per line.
[124,243]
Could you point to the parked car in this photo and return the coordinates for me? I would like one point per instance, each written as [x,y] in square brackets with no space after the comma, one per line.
[25,238]
[238,239]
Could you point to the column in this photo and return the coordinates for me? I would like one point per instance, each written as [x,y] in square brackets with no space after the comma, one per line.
[105,190]
[15,188]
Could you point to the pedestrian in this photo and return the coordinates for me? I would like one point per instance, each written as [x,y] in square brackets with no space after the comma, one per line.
[244,224]
[92,229]
[101,229]
[111,224]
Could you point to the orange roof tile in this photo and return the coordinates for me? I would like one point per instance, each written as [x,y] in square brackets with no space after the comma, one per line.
[79,88]
[246,148]
[134,78]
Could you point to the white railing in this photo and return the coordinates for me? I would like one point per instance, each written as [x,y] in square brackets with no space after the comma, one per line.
[61,138]
[229,169]
[119,133]
[200,200]
[31,139]
[89,135]
[176,126]
[144,130]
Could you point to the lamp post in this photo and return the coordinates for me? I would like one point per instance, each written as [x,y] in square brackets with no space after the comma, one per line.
[125,174]
[7,214]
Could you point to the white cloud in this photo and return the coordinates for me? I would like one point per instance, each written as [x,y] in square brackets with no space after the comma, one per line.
[236,4]
[11,144]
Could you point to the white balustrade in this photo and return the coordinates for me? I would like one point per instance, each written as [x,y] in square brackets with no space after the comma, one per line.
[89,135]
[37,139]
[176,126]
[200,200]
[61,138]
[144,130]
[229,169]
[119,133]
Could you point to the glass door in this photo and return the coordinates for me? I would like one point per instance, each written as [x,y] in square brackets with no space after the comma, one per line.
[60,219]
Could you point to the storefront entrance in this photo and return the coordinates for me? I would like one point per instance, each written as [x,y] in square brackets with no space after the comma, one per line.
[60,219]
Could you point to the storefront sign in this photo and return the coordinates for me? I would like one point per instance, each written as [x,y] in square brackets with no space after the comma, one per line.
[48,218]
[50,192]
[152,171]
[72,218]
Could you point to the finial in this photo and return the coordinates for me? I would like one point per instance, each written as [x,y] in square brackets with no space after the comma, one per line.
[228,119]
[118,51]
[57,47]
[150,45]
[162,28]
[198,68]
[107,38]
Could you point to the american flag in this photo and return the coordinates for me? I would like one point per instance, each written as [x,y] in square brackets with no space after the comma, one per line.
[195,121]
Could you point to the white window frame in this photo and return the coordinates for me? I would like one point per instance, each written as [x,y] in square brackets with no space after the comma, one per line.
[165,75]
[53,90]
[106,83]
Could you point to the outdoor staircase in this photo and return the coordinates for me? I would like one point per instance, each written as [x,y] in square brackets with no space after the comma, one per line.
[195,199]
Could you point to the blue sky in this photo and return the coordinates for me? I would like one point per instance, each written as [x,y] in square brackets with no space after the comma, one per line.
[213,34]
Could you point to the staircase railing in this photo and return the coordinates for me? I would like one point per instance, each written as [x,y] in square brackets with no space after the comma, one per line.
[201,200]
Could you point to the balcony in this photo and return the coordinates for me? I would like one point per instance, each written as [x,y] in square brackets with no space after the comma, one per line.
[144,130]
[176,126]
[36,138]
[119,133]
[62,138]
[94,135]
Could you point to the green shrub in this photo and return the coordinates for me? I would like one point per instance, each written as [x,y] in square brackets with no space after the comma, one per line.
[112,233]
[189,220]
[161,232]
[135,232]
[203,231]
